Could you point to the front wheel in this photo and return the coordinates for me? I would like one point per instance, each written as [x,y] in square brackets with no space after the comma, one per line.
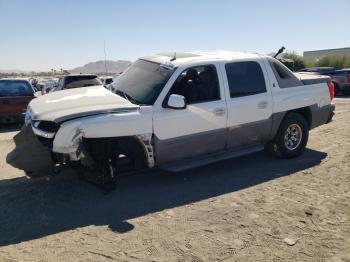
[292,136]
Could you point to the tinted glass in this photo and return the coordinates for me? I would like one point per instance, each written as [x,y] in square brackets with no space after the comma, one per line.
[142,82]
[245,78]
[198,84]
[81,81]
[281,71]
[15,88]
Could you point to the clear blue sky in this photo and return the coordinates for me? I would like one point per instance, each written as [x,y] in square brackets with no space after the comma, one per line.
[43,34]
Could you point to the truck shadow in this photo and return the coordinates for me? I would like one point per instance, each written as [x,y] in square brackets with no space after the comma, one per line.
[31,209]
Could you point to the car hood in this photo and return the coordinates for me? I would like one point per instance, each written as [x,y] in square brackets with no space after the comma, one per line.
[78,102]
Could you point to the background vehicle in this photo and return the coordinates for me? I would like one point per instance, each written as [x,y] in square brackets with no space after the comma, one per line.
[15,95]
[341,80]
[319,70]
[106,80]
[76,81]
[179,112]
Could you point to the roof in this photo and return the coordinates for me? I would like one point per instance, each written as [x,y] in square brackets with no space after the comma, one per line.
[14,79]
[190,57]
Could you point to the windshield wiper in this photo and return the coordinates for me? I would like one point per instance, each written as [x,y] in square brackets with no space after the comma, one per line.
[128,97]
[122,94]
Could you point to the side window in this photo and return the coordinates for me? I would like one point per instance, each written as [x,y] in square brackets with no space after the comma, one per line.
[281,71]
[197,84]
[284,76]
[245,78]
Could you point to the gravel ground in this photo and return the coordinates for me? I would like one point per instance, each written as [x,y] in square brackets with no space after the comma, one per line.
[253,208]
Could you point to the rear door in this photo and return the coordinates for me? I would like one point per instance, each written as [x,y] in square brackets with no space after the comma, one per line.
[249,102]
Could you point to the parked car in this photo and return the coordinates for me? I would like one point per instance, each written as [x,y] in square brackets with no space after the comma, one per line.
[106,80]
[44,83]
[176,112]
[76,81]
[15,94]
[319,70]
[341,80]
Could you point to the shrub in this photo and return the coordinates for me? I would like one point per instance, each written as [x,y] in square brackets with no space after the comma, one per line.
[298,59]
[336,61]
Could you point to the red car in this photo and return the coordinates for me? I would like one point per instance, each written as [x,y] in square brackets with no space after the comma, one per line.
[15,94]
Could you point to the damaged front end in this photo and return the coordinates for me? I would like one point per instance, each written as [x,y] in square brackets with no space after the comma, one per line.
[32,153]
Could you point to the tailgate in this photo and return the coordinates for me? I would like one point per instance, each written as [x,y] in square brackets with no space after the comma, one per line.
[310,79]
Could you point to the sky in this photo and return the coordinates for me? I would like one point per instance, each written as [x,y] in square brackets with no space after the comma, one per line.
[42,34]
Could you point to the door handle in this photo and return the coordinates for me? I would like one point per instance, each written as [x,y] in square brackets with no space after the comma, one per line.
[263,104]
[219,111]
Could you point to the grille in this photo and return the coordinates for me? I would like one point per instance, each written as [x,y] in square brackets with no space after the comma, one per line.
[49,126]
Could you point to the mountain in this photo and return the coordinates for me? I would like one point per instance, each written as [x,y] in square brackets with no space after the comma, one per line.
[100,67]
[16,71]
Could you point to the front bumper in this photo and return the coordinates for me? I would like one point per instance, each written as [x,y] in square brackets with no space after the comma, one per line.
[29,154]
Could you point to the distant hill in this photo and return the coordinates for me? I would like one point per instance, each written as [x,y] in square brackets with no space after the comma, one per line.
[99,67]
[16,71]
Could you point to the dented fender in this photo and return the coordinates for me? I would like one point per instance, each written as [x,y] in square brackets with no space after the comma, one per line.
[70,134]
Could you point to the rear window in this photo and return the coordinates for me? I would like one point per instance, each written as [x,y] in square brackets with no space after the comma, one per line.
[81,81]
[15,88]
[245,78]
[284,76]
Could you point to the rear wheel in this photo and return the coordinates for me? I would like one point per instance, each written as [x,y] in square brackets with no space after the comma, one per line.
[291,138]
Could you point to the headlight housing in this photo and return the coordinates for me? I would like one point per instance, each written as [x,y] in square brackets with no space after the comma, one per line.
[28,117]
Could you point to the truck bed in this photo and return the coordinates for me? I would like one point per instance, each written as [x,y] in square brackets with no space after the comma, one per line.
[310,78]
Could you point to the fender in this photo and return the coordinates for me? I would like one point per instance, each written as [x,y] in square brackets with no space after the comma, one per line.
[136,123]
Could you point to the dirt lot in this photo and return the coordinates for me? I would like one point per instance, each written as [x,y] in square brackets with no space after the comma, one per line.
[254,208]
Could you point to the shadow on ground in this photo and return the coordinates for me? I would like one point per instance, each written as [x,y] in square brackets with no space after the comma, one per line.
[32,209]
[10,127]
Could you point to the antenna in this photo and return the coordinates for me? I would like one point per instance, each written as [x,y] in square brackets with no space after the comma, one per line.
[174,57]
[104,50]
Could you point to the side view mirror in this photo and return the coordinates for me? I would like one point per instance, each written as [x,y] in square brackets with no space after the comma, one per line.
[176,102]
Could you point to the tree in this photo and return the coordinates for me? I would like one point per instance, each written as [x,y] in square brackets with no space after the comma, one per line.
[298,59]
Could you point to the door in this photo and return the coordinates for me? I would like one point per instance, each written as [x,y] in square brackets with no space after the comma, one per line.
[200,127]
[249,103]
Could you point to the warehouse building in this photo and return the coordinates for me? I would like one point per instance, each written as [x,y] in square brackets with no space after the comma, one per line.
[314,56]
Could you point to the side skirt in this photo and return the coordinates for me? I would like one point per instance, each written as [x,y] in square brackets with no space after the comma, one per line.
[210,158]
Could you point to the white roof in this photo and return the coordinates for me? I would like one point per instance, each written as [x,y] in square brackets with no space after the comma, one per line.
[203,56]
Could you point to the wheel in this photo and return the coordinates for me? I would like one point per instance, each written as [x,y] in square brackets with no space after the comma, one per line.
[291,137]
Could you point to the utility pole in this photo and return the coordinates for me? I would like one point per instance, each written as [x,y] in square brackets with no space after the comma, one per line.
[104,50]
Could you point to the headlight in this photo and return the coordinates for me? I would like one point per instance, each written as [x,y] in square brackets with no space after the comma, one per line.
[28,117]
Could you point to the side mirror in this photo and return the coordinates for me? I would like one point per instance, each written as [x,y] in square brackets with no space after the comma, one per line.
[176,102]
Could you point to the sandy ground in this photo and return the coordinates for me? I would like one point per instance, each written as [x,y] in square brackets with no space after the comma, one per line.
[254,208]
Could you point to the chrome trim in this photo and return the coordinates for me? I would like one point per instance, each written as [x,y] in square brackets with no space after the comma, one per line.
[42,133]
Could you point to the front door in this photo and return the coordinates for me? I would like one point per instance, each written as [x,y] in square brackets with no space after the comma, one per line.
[200,127]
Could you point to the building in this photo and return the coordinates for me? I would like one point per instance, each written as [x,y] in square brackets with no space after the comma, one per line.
[314,56]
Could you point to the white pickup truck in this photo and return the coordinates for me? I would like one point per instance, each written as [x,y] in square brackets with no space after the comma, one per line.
[176,111]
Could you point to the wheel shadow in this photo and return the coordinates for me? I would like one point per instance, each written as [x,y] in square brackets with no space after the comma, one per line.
[31,209]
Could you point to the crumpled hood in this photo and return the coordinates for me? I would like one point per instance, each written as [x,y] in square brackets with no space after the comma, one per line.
[72,103]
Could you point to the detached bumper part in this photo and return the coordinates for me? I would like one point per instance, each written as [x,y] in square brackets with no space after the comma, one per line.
[30,155]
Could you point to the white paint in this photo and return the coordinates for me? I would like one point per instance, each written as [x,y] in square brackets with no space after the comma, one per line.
[168,123]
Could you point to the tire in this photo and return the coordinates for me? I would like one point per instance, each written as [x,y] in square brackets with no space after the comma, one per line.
[291,138]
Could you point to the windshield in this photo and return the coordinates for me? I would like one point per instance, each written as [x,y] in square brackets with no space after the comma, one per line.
[15,88]
[142,82]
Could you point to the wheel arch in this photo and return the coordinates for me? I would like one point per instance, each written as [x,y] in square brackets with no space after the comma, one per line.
[137,144]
